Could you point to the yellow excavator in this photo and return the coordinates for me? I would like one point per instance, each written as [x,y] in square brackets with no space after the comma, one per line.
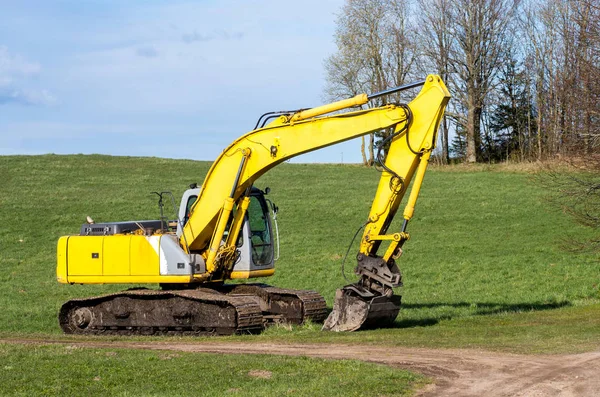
[226,229]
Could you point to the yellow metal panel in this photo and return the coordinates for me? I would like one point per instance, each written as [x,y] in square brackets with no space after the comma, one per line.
[302,137]
[84,256]
[61,260]
[427,110]
[144,259]
[116,255]
[252,273]
[128,279]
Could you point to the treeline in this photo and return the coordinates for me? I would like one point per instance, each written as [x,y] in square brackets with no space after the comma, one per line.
[524,74]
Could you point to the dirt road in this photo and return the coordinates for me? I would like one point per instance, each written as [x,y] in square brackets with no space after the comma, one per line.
[456,372]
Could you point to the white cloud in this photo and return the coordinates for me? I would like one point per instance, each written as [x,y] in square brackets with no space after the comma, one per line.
[15,65]
[23,96]
[189,38]
[16,73]
[147,52]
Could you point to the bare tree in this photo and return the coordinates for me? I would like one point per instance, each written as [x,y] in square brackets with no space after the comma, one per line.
[376,50]
[570,101]
[587,25]
[481,31]
[562,42]
[469,43]
[538,46]
[436,41]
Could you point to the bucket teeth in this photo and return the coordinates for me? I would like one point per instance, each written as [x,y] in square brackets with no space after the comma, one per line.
[355,308]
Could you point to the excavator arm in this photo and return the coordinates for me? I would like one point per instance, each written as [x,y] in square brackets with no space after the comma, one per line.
[371,301]
[224,194]
[410,148]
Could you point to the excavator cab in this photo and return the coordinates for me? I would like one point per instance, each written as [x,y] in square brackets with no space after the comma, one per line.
[258,242]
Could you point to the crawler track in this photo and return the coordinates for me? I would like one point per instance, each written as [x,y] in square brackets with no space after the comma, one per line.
[288,305]
[183,312]
[226,310]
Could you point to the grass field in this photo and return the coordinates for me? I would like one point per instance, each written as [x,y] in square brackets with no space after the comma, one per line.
[486,265]
[35,370]
[483,243]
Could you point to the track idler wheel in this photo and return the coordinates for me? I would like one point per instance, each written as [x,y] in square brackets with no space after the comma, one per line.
[358,308]
[75,319]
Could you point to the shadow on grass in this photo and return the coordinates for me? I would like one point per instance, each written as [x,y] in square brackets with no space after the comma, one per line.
[480,309]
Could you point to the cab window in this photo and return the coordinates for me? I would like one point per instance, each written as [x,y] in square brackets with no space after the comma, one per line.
[188,208]
[260,232]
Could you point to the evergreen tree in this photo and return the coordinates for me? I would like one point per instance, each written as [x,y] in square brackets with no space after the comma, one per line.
[512,121]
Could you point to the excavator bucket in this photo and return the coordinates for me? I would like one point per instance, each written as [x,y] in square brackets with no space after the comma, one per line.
[355,308]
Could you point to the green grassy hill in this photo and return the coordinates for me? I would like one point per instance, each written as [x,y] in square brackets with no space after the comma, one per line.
[485,265]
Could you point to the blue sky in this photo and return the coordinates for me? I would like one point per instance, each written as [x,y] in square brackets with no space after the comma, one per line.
[158,78]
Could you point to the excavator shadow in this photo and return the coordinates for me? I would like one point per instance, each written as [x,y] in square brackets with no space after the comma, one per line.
[480,309]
